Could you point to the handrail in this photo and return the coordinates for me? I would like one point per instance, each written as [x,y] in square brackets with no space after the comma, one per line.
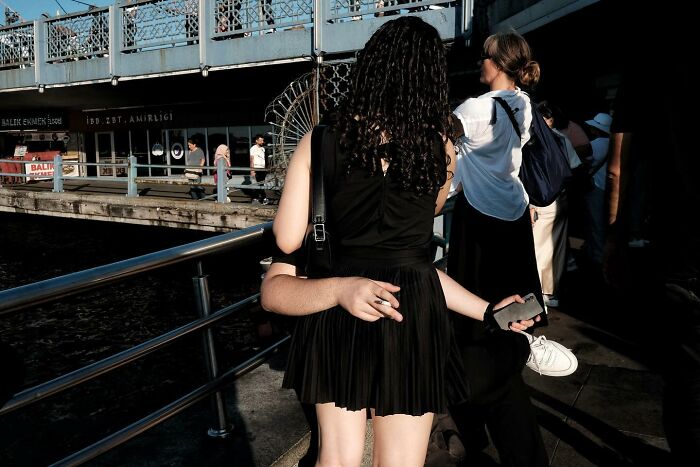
[32,294]
[115,361]
[166,412]
[131,177]
[70,284]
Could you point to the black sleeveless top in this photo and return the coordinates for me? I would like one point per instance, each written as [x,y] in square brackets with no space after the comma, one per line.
[373,211]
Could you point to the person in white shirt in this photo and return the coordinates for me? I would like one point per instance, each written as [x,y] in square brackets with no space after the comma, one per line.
[257,161]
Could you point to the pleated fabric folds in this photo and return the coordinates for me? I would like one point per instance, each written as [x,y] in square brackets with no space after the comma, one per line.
[409,367]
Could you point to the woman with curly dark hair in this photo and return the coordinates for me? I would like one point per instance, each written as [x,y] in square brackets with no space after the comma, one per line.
[377,335]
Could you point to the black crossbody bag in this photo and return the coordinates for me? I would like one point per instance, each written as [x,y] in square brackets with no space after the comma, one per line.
[318,241]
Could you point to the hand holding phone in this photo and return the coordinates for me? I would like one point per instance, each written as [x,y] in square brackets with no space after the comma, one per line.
[518,311]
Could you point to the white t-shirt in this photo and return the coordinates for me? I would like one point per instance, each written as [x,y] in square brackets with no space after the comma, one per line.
[490,153]
[258,155]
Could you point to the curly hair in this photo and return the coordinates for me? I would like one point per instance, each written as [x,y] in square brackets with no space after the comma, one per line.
[398,94]
[512,54]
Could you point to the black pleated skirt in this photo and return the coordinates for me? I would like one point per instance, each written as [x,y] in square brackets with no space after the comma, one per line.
[410,367]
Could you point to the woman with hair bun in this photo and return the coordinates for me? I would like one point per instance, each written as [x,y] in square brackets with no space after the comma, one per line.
[492,254]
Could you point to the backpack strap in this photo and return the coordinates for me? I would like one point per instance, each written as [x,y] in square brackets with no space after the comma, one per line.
[510,113]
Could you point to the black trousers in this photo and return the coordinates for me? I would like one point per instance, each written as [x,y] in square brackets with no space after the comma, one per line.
[260,177]
[499,400]
[494,259]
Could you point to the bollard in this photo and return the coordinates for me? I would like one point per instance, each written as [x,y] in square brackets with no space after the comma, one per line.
[201,291]
[221,179]
[131,189]
[57,174]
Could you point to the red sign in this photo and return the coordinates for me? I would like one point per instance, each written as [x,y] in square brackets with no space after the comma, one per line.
[40,164]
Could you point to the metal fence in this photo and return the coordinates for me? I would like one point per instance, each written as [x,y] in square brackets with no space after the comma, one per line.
[27,296]
[142,25]
[131,179]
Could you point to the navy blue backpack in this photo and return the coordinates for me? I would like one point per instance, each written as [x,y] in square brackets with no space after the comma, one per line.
[545,168]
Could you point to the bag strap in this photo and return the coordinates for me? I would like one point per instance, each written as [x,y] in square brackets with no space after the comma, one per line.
[318,199]
[510,113]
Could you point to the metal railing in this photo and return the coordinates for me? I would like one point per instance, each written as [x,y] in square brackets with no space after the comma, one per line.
[54,170]
[24,297]
[146,25]
[31,295]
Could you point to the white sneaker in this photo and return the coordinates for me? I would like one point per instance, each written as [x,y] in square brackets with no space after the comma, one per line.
[550,358]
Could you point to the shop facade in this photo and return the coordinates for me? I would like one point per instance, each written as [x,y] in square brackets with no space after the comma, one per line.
[36,137]
[157,137]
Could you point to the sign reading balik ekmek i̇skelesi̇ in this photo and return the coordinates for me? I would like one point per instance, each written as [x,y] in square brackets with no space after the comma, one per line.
[32,121]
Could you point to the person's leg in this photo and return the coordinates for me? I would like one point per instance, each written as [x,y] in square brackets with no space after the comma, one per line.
[542,231]
[341,435]
[490,364]
[260,178]
[401,440]
[595,227]
[560,233]
[513,427]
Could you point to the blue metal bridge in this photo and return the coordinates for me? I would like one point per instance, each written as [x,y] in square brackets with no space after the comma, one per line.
[151,38]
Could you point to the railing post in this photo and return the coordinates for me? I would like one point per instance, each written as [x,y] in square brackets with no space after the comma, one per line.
[320,12]
[206,29]
[201,291]
[57,174]
[115,41]
[40,51]
[131,188]
[466,23]
[221,179]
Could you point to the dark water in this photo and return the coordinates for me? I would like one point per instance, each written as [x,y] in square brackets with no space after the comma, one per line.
[59,337]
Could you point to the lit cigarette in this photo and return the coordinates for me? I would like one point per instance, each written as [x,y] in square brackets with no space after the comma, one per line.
[382,302]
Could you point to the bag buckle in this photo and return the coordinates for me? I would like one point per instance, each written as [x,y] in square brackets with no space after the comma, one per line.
[320,233]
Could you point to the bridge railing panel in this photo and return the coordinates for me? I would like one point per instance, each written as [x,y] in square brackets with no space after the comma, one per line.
[239,18]
[154,24]
[79,36]
[354,10]
[17,46]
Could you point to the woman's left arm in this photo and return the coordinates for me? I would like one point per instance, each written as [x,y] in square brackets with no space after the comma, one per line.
[462,301]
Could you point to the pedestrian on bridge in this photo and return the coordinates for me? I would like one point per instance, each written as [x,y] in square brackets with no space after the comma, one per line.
[195,157]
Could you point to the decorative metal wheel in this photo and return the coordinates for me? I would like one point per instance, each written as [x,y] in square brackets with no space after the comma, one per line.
[294,113]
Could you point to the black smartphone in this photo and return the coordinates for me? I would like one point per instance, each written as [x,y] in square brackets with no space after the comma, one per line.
[518,311]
